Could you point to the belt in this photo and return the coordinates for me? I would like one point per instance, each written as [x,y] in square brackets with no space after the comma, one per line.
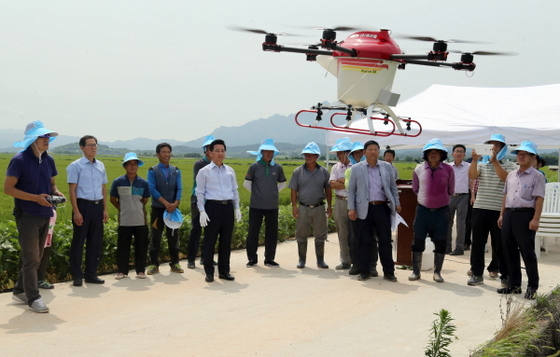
[378,202]
[221,202]
[434,209]
[312,206]
[95,202]
[520,209]
[460,194]
[342,198]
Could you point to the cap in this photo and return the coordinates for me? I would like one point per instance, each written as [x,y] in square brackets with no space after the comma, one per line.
[311,148]
[208,140]
[343,144]
[528,146]
[496,137]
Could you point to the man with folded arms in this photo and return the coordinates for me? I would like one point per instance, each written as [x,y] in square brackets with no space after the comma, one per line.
[519,220]
[30,180]
[310,188]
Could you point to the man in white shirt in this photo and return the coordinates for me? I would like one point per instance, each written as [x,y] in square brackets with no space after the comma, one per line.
[459,201]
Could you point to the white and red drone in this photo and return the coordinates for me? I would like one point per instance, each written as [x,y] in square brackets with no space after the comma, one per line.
[365,65]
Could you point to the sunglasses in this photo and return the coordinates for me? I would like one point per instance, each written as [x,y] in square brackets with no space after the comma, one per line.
[45,136]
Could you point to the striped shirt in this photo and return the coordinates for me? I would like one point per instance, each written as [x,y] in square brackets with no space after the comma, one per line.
[490,188]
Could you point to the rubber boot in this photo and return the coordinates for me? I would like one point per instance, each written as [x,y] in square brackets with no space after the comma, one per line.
[302,252]
[438,263]
[416,266]
[320,252]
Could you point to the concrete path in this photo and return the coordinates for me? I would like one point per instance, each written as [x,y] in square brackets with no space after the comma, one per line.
[265,312]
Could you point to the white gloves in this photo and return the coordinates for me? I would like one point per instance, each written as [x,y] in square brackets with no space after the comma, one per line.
[238,215]
[204,219]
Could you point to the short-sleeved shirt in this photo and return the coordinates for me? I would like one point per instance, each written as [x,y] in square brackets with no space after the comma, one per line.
[433,186]
[33,177]
[310,185]
[89,178]
[264,184]
[130,195]
[337,172]
[522,188]
[490,188]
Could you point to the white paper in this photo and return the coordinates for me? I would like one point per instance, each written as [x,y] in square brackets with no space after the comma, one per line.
[396,220]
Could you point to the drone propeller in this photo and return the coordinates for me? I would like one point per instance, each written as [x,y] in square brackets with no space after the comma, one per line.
[338,28]
[433,39]
[487,53]
[259,31]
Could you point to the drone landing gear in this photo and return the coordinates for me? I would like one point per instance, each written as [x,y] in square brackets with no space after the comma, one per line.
[394,128]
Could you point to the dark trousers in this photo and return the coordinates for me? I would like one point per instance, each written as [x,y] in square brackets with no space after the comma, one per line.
[89,233]
[468,223]
[156,217]
[220,224]
[353,241]
[43,266]
[484,222]
[140,234]
[196,232]
[518,238]
[256,217]
[377,222]
[32,235]
[433,223]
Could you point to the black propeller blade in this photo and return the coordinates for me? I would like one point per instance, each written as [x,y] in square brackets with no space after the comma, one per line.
[487,53]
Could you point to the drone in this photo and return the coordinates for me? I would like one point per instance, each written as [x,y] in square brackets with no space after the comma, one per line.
[365,64]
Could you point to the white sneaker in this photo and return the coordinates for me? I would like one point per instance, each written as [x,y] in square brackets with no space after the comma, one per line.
[20,298]
[39,306]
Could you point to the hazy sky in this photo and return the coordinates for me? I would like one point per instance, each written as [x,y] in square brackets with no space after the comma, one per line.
[171,70]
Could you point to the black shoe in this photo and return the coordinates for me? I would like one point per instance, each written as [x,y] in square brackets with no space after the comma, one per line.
[342,266]
[251,264]
[467,247]
[271,263]
[209,278]
[514,290]
[95,280]
[531,293]
[457,251]
[354,270]
[363,277]
[226,276]
[374,273]
[77,282]
[390,277]
[190,265]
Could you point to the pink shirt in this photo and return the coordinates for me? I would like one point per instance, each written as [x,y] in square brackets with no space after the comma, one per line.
[433,187]
[522,188]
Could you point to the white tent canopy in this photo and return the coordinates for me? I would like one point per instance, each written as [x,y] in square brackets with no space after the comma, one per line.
[469,115]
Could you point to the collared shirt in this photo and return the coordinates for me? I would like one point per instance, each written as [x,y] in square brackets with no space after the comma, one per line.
[522,188]
[215,182]
[490,188]
[337,172]
[376,192]
[433,186]
[89,178]
[165,171]
[264,179]
[33,177]
[130,195]
[461,176]
[310,185]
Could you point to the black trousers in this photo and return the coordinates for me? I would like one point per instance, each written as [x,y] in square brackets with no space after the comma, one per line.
[124,241]
[518,238]
[196,231]
[485,222]
[89,233]
[256,217]
[220,225]
[353,242]
[377,223]
[158,226]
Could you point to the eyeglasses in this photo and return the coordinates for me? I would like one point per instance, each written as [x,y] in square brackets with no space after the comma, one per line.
[45,136]
[92,145]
